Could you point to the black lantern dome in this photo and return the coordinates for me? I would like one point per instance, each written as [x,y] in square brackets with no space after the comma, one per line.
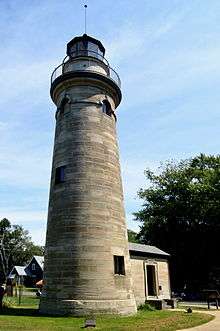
[85,46]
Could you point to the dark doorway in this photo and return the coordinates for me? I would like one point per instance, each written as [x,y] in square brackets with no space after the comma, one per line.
[151,280]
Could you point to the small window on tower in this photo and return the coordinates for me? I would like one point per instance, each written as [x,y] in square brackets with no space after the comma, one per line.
[119,265]
[63,103]
[60,175]
[106,107]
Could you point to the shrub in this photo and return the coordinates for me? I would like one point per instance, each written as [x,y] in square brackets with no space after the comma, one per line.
[146,307]
[8,302]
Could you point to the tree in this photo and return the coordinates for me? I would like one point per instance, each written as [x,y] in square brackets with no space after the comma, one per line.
[132,237]
[181,214]
[16,247]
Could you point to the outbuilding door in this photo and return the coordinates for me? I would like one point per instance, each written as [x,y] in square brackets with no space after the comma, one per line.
[151,280]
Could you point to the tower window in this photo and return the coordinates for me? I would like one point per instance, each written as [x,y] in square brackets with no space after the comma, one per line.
[119,265]
[60,175]
[106,107]
[64,102]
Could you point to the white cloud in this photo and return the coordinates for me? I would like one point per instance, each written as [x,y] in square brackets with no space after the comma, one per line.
[25,167]
[29,79]
[39,235]
[131,223]
[174,74]
[133,176]
[3,126]
[136,40]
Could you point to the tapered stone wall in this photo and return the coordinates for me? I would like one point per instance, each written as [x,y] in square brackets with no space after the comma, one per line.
[86,221]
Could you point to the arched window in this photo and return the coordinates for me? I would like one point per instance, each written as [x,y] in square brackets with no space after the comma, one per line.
[61,105]
[106,107]
[64,101]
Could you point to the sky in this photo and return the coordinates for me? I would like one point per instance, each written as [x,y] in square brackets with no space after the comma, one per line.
[167,53]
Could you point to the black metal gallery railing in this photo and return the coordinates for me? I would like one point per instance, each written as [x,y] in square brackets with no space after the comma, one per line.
[88,57]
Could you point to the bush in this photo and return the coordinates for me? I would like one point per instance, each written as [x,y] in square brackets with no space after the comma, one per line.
[8,302]
[146,307]
[30,289]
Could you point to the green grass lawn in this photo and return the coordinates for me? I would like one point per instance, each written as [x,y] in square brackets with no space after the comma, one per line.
[30,289]
[26,318]
[26,301]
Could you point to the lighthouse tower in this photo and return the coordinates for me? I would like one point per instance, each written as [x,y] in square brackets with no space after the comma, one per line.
[87,266]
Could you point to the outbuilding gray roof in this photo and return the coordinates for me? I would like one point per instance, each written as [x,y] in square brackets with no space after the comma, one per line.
[19,270]
[40,260]
[146,249]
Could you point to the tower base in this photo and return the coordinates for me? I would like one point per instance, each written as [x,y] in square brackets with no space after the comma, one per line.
[87,307]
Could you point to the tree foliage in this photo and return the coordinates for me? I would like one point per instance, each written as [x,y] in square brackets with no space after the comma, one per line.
[132,236]
[181,214]
[16,247]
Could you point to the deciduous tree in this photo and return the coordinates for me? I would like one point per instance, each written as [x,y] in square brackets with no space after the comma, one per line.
[181,215]
[16,247]
[132,236]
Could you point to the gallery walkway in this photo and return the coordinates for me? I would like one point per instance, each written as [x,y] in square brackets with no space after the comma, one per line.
[211,326]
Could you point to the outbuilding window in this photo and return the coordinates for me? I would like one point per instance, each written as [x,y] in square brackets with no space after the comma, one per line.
[33,267]
[60,175]
[119,265]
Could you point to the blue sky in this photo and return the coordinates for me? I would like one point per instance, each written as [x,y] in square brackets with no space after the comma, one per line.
[167,53]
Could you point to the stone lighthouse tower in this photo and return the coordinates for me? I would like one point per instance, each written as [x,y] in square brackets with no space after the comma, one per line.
[87,266]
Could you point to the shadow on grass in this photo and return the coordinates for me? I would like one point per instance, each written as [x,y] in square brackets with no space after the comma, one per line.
[20,312]
[25,312]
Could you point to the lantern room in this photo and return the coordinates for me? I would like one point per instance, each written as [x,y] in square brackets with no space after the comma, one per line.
[85,46]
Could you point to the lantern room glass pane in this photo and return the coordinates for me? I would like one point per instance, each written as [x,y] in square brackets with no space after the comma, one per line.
[86,48]
[93,50]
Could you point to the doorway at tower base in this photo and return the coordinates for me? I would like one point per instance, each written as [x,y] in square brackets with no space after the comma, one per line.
[87,307]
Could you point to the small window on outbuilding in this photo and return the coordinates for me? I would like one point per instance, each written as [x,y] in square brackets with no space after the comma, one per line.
[119,265]
[60,175]
[33,267]
[106,107]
